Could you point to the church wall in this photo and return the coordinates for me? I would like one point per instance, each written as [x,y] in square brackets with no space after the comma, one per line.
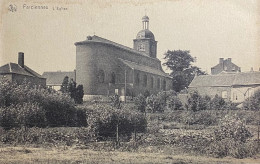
[94,59]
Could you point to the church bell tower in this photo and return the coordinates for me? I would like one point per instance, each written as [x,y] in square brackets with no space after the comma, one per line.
[145,41]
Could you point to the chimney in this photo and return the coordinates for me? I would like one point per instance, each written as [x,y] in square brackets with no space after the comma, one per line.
[229,60]
[21,59]
[221,60]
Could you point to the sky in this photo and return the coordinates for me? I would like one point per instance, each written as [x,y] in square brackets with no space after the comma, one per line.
[210,29]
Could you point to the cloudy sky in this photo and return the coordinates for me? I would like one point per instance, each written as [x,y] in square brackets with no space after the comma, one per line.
[210,29]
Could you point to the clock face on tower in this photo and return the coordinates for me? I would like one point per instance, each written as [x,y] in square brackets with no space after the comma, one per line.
[141,47]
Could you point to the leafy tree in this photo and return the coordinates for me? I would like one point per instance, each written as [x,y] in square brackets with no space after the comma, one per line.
[183,72]
[76,92]
[64,85]
[72,88]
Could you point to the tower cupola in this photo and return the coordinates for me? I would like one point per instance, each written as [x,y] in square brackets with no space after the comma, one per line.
[145,40]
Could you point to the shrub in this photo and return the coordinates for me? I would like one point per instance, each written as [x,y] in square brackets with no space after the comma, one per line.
[115,100]
[174,103]
[26,114]
[155,103]
[196,102]
[46,136]
[59,109]
[103,120]
[140,103]
[253,103]
[231,139]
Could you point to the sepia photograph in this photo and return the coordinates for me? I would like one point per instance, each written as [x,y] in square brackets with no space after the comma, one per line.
[130,81]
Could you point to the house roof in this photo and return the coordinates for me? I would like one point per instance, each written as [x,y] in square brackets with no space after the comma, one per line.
[248,78]
[56,78]
[226,79]
[144,68]
[13,68]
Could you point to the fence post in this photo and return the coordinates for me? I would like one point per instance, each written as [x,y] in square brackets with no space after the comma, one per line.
[117,135]
[258,131]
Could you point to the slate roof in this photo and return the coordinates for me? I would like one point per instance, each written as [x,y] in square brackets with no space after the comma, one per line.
[103,40]
[56,78]
[143,68]
[226,79]
[13,68]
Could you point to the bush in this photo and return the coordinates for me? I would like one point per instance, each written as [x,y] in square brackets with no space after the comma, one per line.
[155,103]
[46,136]
[253,103]
[140,103]
[196,102]
[55,108]
[103,120]
[231,139]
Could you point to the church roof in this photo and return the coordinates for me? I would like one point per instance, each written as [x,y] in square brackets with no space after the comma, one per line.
[145,34]
[226,79]
[97,39]
[56,78]
[13,68]
[145,18]
[144,68]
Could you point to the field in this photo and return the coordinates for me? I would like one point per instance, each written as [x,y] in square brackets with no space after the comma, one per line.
[45,126]
[23,154]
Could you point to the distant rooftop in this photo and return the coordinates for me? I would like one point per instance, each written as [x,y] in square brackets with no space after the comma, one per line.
[56,78]
[227,79]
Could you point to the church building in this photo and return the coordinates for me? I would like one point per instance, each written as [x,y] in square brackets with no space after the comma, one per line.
[104,67]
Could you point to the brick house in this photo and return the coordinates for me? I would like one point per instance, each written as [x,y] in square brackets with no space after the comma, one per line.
[19,73]
[226,66]
[235,87]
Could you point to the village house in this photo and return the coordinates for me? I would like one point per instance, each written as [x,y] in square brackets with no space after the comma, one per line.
[225,65]
[55,79]
[235,87]
[20,73]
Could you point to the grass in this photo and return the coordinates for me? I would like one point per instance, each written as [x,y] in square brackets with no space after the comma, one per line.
[75,155]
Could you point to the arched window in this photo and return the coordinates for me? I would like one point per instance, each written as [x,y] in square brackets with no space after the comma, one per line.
[113,78]
[164,85]
[158,83]
[145,80]
[101,76]
[151,82]
[137,79]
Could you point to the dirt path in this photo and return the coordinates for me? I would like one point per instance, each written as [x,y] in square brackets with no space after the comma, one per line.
[76,156]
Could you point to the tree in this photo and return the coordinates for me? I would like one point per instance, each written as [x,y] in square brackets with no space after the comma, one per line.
[64,85]
[72,89]
[79,94]
[183,72]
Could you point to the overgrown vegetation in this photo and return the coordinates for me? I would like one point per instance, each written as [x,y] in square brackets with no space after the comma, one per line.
[22,105]
[103,121]
[253,103]
[205,125]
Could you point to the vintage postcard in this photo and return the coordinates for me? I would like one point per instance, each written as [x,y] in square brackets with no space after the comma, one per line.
[129,81]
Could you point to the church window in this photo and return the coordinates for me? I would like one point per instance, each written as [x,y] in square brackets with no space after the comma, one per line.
[113,78]
[164,85]
[141,47]
[101,76]
[145,81]
[158,83]
[137,79]
[151,82]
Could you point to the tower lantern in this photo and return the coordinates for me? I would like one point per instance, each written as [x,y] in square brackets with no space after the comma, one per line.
[145,21]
